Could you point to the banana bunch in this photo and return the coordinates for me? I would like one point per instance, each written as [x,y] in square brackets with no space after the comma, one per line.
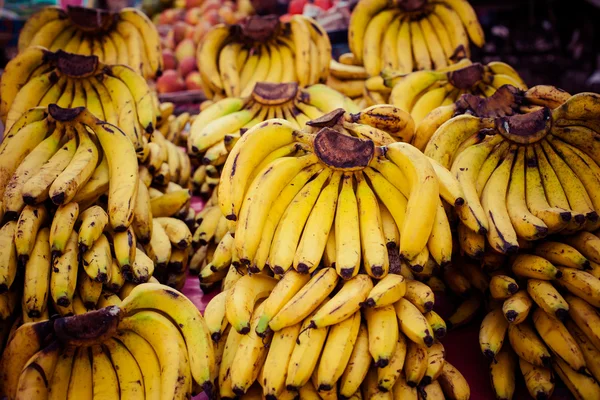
[543,315]
[127,37]
[524,175]
[167,167]
[113,93]
[348,78]
[153,345]
[293,337]
[421,92]
[263,49]
[342,192]
[217,128]
[412,35]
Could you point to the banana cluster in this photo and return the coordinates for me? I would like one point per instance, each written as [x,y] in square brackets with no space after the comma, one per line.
[523,175]
[216,130]
[113,93]
[175,128]
[342,192]
[154,345]
[412,35]
[547,307]
[421,92]
[127,37]
[263,49]
[292,337]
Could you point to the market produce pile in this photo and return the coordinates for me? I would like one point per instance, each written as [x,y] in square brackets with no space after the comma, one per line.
[340,198]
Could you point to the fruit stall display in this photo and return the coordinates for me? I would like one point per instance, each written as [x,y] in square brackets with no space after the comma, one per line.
[346,202]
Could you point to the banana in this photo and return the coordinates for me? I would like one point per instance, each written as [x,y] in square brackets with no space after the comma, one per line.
[547,298]
[372,40]
[224,379]
[562,254]
[464,312]
[587,244]
[124,105]
[471,242]
[535,267]
[318,225]
[24,343]
[437,323]
[347,239]
[164,338]
[501,234]
[214,132]
[64,274]
[387,291]
[502,374]
[305,355]
[81,382]
[359,22]
[456,281]
[454,26]
[253,212]
[242,298]
[436,361]
[424,193]
[383,328]
[59,382]
[37,276]
[555,218]
[291,224]
[374,248]
[215,317]
[298,308]
[277,361]
[538,380]
[389,46]
[301,39]
[151,40]
[581,284]
[528,346]
[127,369]
[8,256]
[420,295]
[582,386]
[142,215]
[337,352]
[502,287]
[415,363]
[33,380]
[492,332]
[516,308]
[345,303]
[585,317]
[249,357]
[169,204]
[206,231]
[104,376]
[97,261]
[404,94]
[412,323]
[358,365]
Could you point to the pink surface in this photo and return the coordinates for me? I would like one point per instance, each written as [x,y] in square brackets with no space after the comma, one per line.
[461,345]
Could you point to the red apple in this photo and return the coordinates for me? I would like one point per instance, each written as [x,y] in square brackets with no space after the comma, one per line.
[212,16]
[170,16]
[170,81]
[200,30]
[193,15]
[193,81]
[180,30]
[169,60]
[211,5]
[227,15]
[185,48]
[193,3]
[187,65]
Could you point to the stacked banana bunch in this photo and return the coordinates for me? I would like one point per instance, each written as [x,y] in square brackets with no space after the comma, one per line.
[412,35]
[524,175]
[217,128]
[128,37]
[348,78]
[175,128]
[154,345]
[328,193]
[113,93]
[421,92]
[294,337]
[547,307]
[263,49]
